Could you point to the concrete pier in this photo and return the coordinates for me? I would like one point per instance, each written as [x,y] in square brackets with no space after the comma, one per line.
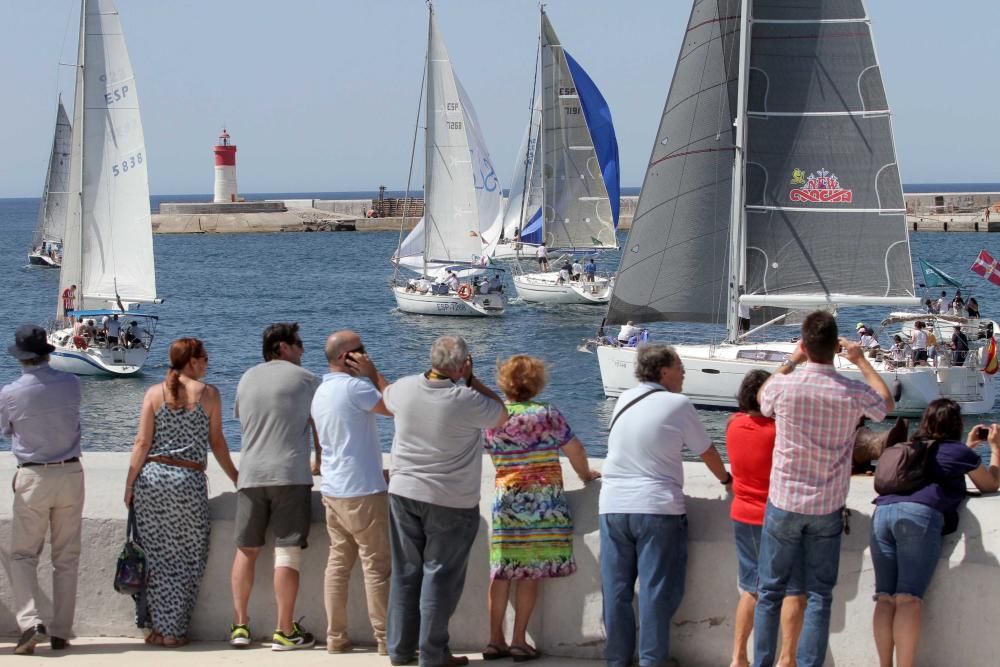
[925,213]
[963,600]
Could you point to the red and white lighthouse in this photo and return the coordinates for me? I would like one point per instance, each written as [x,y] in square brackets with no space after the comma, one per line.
[225,170]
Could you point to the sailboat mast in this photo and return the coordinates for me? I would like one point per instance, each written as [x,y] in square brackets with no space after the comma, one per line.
[531,122]
[427,122]
[737,213]
[539,147]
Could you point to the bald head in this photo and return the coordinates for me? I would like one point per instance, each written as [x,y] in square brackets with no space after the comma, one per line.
[338,344]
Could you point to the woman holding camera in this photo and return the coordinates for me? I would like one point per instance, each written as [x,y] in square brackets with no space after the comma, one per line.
[907,529]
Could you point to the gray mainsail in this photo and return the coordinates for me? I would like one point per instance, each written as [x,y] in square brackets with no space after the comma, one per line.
[824,202]
[52,212]
[674,263]
[576,208]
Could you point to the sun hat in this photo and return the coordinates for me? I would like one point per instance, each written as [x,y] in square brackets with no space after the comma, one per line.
[30,342]
[860,325]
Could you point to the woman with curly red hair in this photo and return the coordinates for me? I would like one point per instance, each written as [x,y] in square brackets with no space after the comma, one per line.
[532,537]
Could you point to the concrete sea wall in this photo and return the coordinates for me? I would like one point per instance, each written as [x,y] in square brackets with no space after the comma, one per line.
[960,612]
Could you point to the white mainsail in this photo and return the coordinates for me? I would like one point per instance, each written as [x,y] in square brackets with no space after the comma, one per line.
[108,246]
[52,212]
[451,211]
[521,209]
[462,196]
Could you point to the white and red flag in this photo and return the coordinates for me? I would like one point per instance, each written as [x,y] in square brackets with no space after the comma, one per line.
[988,267]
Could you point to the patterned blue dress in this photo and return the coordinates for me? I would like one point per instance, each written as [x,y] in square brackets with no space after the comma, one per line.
[171,511]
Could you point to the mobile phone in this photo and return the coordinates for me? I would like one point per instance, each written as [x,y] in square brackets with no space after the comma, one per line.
[982,433]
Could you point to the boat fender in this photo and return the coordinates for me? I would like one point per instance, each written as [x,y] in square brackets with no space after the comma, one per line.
[897,390]
[465,291]
[80,342]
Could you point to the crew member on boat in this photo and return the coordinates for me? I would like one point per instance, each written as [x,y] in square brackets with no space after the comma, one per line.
[69,302]
[627,331]
[959,346]
[543,258]
[576,270]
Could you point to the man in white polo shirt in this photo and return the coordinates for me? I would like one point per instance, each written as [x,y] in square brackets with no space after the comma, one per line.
[643,518]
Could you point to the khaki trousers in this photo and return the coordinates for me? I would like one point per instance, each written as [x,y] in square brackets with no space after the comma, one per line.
[46,499]
[357,527]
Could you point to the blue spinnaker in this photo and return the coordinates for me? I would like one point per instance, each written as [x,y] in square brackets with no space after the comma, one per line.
[602,131]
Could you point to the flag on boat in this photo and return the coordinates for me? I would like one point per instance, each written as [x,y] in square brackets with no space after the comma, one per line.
[992,363]
[986,266]
[935,277]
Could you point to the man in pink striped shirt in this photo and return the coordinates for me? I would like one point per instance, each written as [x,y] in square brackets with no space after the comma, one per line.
[815,410]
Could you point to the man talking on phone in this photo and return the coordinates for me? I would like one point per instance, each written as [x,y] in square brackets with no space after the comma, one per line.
[353,485]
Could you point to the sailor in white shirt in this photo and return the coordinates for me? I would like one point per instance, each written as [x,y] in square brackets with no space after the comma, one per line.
[577,270]
[543,257]
[627,331]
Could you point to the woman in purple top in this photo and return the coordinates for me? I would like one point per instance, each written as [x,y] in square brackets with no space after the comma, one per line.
[907,529]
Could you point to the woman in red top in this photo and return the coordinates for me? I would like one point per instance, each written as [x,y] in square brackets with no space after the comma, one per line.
[750,444]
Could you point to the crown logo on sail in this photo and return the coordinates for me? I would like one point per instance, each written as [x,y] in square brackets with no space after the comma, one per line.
[821,187]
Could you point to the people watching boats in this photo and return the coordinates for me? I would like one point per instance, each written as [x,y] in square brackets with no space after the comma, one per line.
[750,446]
[906,530]
[810,479]
[532,536]
[919,342]
[900,352]
[181,419]
[959,346]
[434,486]
[643,519]
[972,307]
[354,486]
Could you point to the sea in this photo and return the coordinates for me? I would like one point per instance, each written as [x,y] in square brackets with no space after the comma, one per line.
[224,289]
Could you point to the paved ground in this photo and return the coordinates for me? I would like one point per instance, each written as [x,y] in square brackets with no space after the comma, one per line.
[100,651]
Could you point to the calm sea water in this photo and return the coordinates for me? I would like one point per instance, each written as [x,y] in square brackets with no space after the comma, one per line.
[225,289]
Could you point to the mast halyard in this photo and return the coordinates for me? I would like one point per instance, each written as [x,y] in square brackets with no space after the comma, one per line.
[737,213]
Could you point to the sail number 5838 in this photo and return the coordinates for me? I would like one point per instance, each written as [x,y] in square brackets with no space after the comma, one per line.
[131,162]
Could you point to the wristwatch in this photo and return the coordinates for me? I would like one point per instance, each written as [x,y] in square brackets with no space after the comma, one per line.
[728,480]
[788,363]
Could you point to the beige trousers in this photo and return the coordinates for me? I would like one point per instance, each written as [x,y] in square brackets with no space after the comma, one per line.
[357,527]
[46,498]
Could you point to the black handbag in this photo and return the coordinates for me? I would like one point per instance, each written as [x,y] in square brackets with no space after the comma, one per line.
[131,570]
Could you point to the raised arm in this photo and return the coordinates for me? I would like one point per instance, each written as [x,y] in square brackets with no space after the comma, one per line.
[986,480]
[212,403]
[856,355]
[143,441]
[577,456]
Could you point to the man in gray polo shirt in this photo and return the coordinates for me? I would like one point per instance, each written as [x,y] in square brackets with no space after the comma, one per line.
[275,482]
[434,486]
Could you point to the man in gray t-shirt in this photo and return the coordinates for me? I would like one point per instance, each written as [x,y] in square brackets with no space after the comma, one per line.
[434,496]
[275,481]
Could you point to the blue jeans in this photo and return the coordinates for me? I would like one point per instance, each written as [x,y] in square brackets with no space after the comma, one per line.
[789,540]
[906,545]
[430,551]
[652,547]
[748,539]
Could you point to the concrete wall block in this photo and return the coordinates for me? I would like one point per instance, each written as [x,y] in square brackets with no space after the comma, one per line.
[963,601]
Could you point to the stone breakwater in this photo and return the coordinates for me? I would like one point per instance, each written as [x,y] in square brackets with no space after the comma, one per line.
[924,214]
[965,591]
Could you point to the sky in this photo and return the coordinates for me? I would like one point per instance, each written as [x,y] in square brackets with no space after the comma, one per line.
[321,95]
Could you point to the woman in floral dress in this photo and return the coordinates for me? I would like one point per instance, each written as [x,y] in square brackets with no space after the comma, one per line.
[532,536]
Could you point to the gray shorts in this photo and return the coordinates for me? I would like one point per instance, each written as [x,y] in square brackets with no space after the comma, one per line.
[288,510]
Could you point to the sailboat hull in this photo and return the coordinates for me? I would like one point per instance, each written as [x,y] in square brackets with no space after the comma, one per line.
[545,288]
[117,361]
[713,375]
[38,259]
[478,305]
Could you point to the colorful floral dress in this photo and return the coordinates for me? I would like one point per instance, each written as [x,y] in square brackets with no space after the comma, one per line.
[532,534]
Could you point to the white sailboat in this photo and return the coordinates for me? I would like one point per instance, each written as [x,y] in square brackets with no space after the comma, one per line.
[571,184]
[773,183]
[46,243]
[108,242]
[461,202]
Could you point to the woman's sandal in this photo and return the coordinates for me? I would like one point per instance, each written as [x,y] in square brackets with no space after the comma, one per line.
[175,642]
[524,653]
[154,638]
[496,652]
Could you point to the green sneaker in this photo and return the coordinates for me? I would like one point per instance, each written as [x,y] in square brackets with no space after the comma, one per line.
[239,636]
[298,638]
